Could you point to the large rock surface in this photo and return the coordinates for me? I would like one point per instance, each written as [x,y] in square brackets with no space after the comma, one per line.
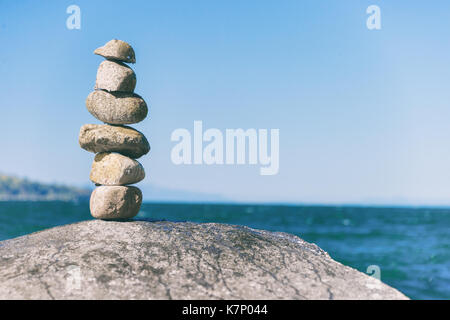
[167,260]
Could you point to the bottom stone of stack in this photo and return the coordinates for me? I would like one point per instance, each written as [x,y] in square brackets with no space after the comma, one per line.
[115,202]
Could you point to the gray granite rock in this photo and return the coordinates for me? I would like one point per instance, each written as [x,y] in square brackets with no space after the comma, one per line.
[166,260]
[115,76]
[105,138]
[115,202]
[116,107]
[114,169]
[117,50]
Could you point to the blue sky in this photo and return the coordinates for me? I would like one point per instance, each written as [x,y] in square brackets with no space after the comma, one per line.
[363,115]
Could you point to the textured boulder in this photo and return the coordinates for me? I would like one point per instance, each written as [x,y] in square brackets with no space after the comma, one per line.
[117,50]
[115,202]
[115,76]
[105,138]
[116,107]
[114,169]
[167,260]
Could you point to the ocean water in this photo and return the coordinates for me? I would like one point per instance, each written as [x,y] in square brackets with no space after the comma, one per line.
[410,246]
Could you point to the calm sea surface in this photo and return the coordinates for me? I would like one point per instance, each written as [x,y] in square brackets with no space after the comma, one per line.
[410,246]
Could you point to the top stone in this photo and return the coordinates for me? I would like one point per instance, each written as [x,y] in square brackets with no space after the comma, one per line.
[117,50]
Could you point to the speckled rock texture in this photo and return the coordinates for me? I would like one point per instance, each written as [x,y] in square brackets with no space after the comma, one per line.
[167,260]
[117,50]
[114,169]
[115,202]
[115,76]
[116,107]
[105,138]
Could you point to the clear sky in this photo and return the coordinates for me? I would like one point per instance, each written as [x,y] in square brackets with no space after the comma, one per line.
[363,115]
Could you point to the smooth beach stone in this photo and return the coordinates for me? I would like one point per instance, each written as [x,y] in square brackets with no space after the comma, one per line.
[117,50]
[105,138]
[115,76]
[115,202]
[116,107]
[114,169]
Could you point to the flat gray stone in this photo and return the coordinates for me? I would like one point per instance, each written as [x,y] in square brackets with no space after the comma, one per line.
[115,202]
[168,260]
[105,138]
[117,50]
[116,107]
[114,169]
[115,76]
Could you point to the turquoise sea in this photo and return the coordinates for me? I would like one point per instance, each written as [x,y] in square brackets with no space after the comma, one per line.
[411,246]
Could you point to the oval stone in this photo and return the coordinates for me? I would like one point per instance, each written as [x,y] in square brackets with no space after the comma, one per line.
[115,76]
[105,138]
[116,107]
[117,50]
[115,202]
[114,169]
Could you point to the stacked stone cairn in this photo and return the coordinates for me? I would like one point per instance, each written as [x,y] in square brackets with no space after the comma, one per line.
[116,145]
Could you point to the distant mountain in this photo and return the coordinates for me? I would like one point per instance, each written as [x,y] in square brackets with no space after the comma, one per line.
[160,194]
[17,189]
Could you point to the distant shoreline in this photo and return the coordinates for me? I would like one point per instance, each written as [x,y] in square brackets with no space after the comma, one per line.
[241,204]
[19,189]
[22,190]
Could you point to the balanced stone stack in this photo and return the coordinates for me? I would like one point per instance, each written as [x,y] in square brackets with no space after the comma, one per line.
[115,144]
